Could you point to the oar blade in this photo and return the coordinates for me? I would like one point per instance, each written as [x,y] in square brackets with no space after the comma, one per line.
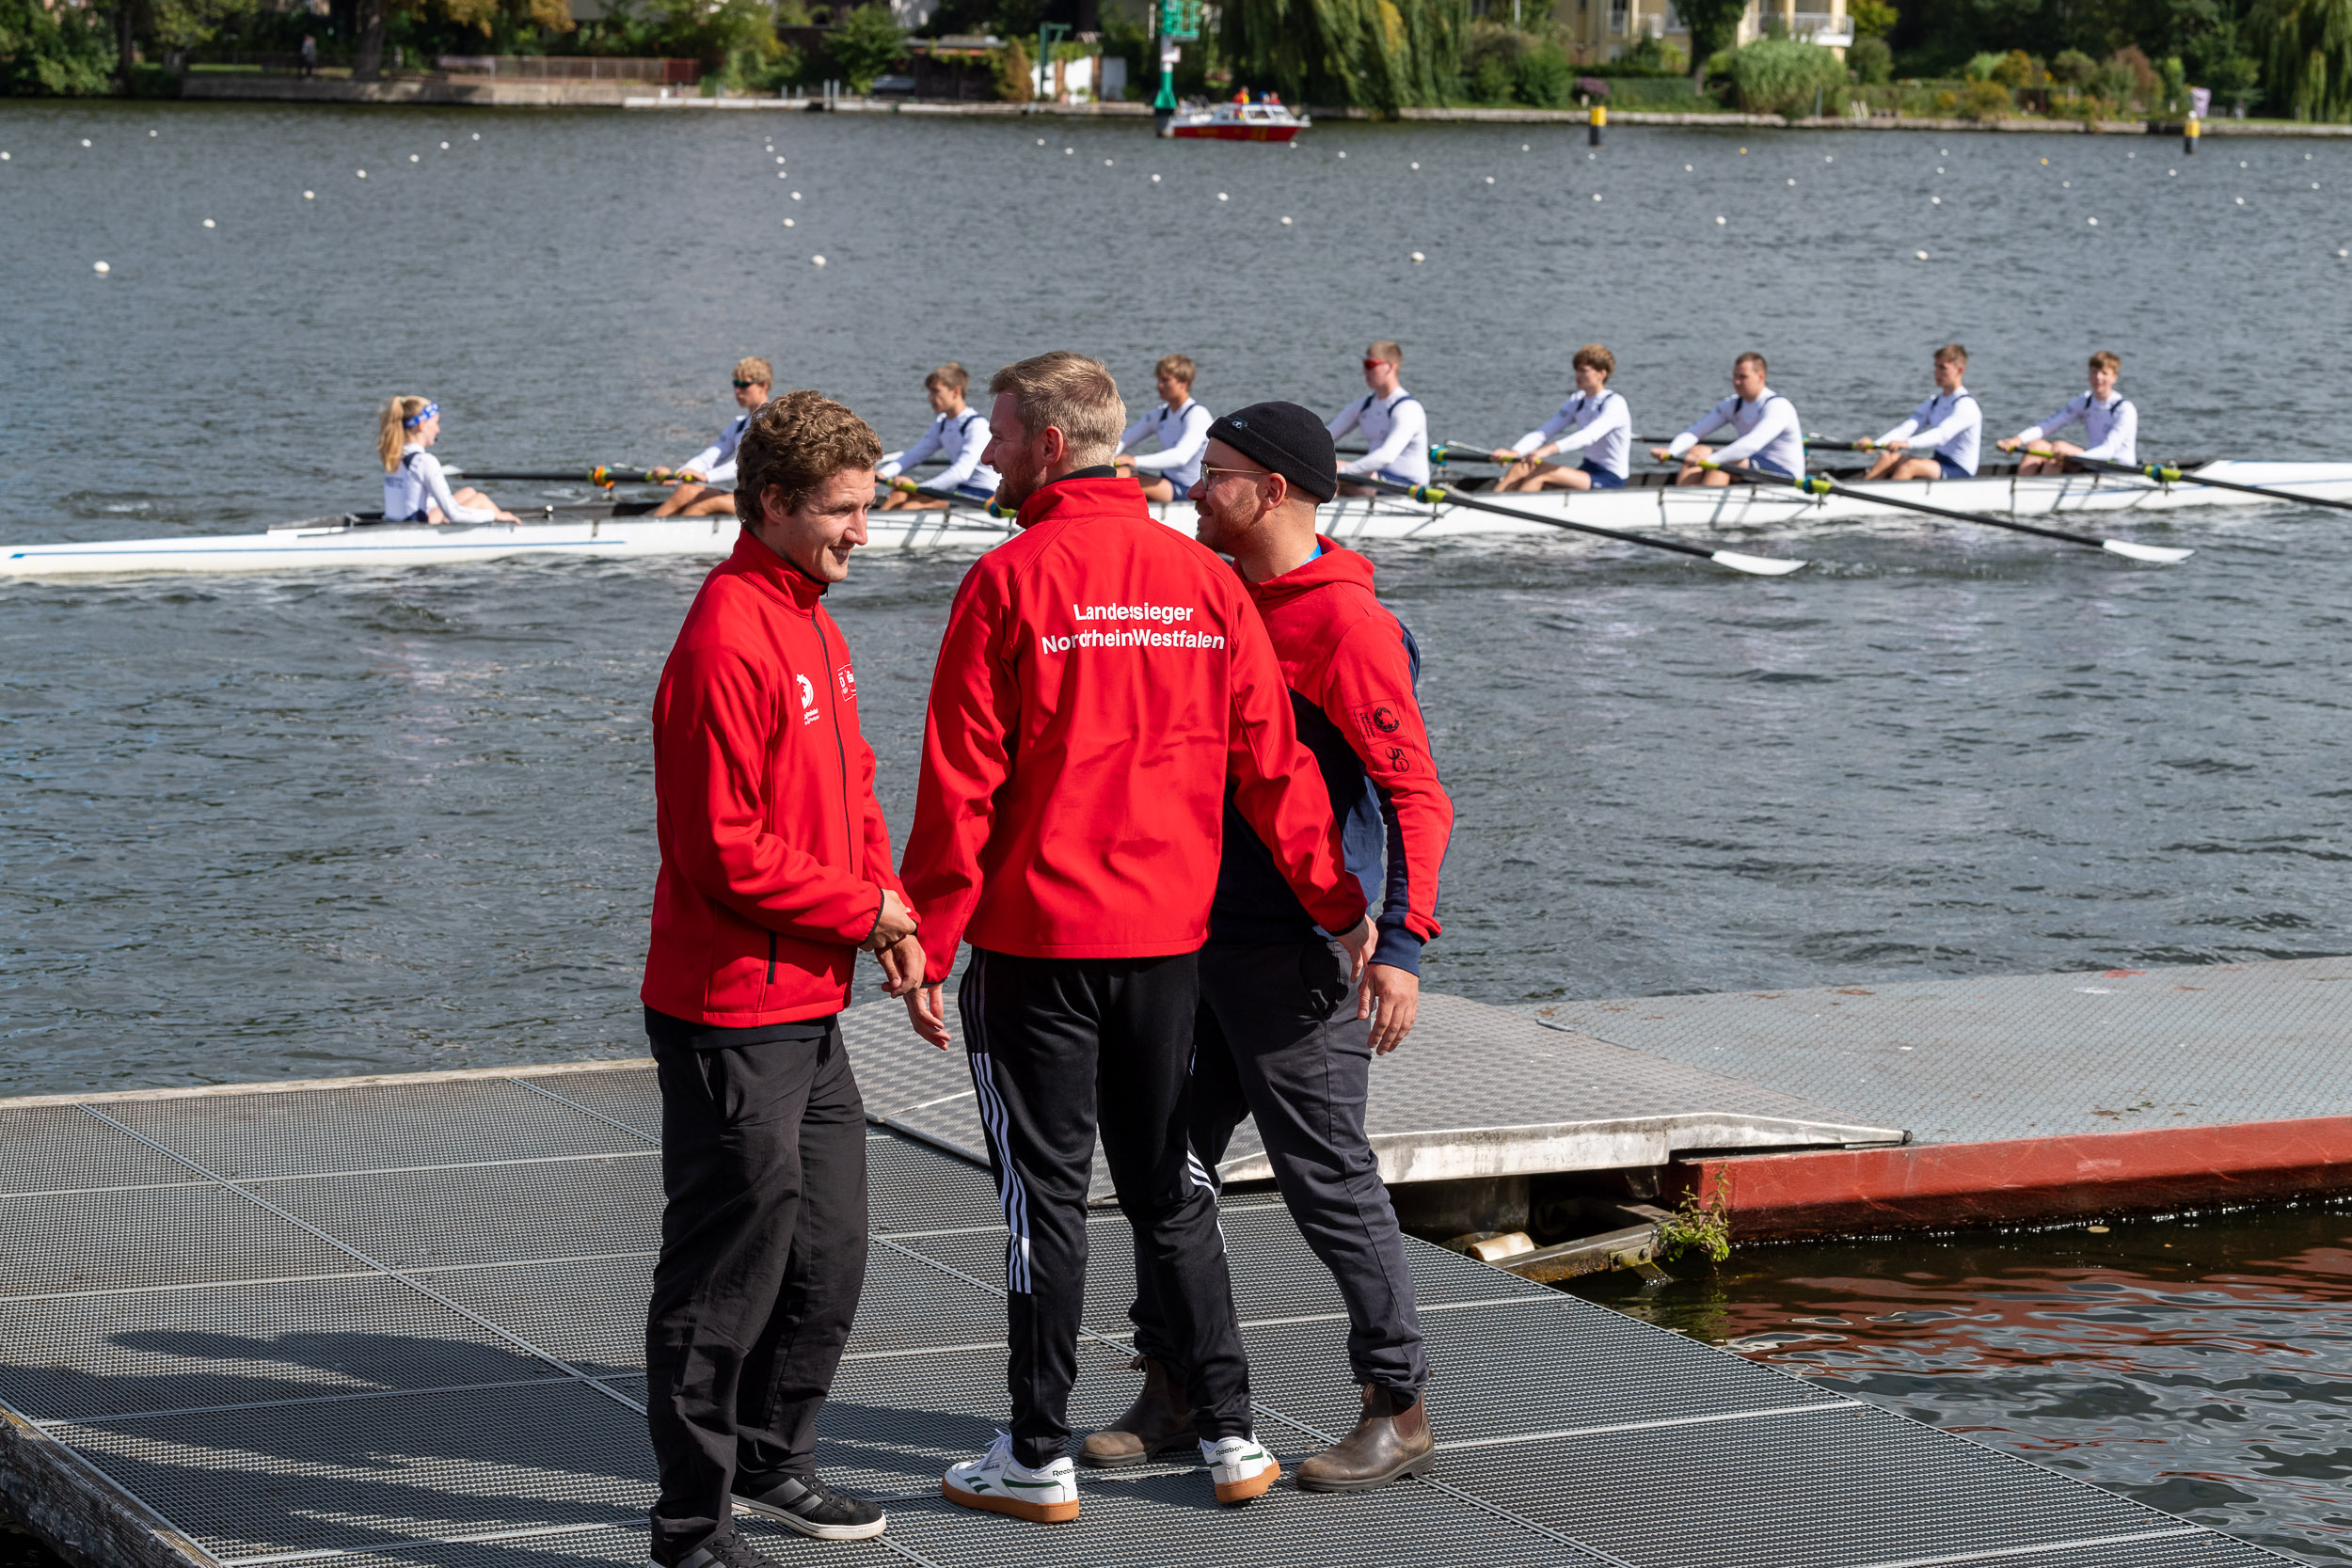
[1756,566]
[2162,555]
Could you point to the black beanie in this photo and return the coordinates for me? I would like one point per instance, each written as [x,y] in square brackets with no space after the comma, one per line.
[1287,439]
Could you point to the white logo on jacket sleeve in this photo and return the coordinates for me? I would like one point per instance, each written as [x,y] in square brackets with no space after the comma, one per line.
[808,699]
[1171,615]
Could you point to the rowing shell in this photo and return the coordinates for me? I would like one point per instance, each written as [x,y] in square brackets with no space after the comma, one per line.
[1647,503]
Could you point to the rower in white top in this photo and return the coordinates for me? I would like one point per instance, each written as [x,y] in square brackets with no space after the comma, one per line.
[1594,422]
[705,487]
[959,433]
[1943,432]
[1395,425]
[1770,438]
[415,488]
[2109,422]
[1181,427]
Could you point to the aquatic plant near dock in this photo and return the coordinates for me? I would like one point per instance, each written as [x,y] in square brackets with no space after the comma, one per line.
[1696,1226]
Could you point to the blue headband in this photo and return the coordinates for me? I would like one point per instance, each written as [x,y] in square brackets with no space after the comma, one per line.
[413,421]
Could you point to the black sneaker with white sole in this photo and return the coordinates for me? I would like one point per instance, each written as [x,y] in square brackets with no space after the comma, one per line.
[806,1504]
[728,1550]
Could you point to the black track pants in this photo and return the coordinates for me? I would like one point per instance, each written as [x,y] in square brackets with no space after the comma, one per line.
[1278,1038]
[763,1255]
[1060,1046]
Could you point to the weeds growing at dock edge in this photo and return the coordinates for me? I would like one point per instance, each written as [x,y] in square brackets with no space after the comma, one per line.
[1698,1225]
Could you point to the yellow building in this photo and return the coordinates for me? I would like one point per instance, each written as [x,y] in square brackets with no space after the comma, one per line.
[1604,29]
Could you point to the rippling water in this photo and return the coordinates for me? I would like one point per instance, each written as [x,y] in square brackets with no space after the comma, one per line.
[398,820]
[2199,1365]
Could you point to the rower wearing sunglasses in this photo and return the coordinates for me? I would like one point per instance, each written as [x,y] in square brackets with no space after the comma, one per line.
[705,487]
[1395,426]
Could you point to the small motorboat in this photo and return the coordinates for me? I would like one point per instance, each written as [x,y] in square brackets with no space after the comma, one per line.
[1266,118]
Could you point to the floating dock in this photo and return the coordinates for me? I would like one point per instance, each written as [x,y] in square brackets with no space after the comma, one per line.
[399,1324]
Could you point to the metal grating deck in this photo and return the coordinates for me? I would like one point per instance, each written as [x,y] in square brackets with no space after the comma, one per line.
[399,1325]
[2022,1056]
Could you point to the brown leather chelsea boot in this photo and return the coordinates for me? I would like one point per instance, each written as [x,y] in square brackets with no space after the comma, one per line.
[1158,1422]
[1388,1444]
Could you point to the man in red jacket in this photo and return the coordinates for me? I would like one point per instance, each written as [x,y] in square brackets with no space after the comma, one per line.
[775,870]
[1279,1035]
[1100,681]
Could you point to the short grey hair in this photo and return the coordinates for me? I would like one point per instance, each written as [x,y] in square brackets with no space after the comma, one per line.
[1072,393]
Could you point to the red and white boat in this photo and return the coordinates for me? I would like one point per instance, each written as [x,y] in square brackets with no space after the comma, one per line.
[1267,119]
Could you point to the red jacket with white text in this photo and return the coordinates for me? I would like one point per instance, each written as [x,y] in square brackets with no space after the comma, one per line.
[773,850]
[1101,679]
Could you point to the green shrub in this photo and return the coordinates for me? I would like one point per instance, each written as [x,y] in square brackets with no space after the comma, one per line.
[1785,77]
[1490,61]
[1545,79]
[1980,66]
[2017,69]
[151,81]
[2074,68]
[864,44]
[1871,61]
[67,53]
[1985,100]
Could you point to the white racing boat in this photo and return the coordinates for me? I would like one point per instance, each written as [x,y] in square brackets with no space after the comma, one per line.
[1648,504]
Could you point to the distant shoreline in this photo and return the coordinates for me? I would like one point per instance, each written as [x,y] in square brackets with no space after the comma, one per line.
[483,92]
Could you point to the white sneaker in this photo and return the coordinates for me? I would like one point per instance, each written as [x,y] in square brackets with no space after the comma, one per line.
[994,1482]
[1241,1468]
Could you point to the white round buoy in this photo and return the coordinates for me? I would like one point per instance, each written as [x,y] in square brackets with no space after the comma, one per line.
[1155,179]
[310,196]
[788,223]
[100,266]
[1939,168]
[1686,169]
[1342,154]
[2314,185]
[4,157]
[1286,222]
[2241,162]
[1918,255]
[1597,196]
[1106,163]
[1419,257]
[477,135]
[1416,166]
[1068,150]
[1523,148]
[796,195]
[1719,222]
[779,157]
[2241,202]
[2171,174]
[209,224]
[1792,182]
[360,172]
[1040,141]
[2066,185]
[817,261]
[2342,254]
[1221,197]
[1490,180]
[84,141]
[414,158]
[1590,157]
[2094,223]
[1831,158]
[153,133]
[445,147]
[1936,201]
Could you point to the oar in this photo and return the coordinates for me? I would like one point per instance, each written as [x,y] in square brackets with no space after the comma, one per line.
[1463,452]
[1814,484]
[2163,474]
[1756,566]
[599,475]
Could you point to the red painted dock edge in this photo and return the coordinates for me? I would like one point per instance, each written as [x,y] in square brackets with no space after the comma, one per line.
[1850,1191]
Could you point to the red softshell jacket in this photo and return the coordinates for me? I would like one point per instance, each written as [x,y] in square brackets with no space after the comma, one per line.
[773,850]
[1343,652]
[1101,678]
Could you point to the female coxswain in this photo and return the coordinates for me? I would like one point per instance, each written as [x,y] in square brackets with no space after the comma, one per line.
[415,489]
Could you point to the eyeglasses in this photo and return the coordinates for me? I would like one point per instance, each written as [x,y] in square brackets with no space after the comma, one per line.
[741,385]
[1247,473]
